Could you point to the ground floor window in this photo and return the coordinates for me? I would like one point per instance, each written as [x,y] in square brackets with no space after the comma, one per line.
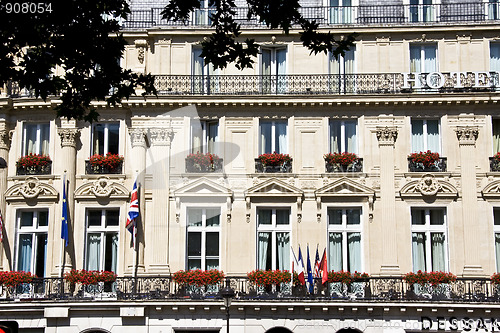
[344,239]
[102,239]
[273,238]
[32,235]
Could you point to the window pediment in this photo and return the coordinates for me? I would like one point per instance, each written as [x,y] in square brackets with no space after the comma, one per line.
[103,187]
[274,187]
[428,186]
[345,187]
[492,190]
[31,188]
[203,187]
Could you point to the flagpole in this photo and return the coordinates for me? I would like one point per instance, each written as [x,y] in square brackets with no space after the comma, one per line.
[61,264]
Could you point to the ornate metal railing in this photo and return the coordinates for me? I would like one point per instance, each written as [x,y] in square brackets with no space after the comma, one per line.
[34,170]
[101,169]
[340,15]
[494,164]
[438,166]
[325,84]
[261,168]
[375,289]
[357,166]
[191,166]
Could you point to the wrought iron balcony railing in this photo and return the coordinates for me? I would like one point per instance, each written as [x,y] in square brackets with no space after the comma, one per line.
[438,166]
[326,84]
[286,167]
[192,166]
[373,289]
[340,15]
[357,166]
[101,169]
[494,164]
[34,170]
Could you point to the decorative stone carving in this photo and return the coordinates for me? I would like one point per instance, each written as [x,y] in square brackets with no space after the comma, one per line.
[137,137]
[31,188]
[103,187]
[161,136]
[386,136]
[428,185]
[467,135]
[141,45]
[5,136]
[68,136]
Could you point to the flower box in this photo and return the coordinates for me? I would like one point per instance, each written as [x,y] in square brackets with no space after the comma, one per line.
[104,164]
[34,164]
[200,162]
[495,162]
[343,162]
[13,279]
[432,285]
[89,277]
[271,163]
[426,162]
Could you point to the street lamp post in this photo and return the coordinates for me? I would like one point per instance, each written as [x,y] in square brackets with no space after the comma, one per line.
[227,294]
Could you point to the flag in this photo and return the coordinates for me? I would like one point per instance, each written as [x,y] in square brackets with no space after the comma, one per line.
[310,280]
[317,272]
[64,218]
[324,268]
[1,227]
[299,267]
[133,212]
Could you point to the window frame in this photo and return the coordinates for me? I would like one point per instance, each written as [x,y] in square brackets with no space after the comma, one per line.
[106,137]
[273,136]
[426,134]
[203,229]
[205,136]
[496,230]
[103,230]
[343,138]
[345,229]
[273,228]
[38,141]
[422,57]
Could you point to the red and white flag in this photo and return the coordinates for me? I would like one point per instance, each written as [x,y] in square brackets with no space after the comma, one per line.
[299,267]
[133,213]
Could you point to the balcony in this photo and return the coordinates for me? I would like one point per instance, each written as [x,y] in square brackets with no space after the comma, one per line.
[102,169]
[327,16]
[34,170]
[357,166]
[286,167]
[373,289]
[438,166]
[327,84]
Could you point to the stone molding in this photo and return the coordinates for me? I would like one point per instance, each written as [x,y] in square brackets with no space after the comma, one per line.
[5,138]
[137,137]
[68,136]
[161,136]
[467,135]
[102,188]
[31,188]
[386,136]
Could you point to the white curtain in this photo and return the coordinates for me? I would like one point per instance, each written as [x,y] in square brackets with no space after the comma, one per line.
[281,70]
[433,136]
[430,64]
[350,134]
[335,251]
[428,11]
[417,135]
[349,61]
[493,10]
[335,11]
[438,252]
[283,249]
[44,139]
[264,239]
[114,251]
[354,251]
[497,250]
[496,136]
[415,59]
[196,137]
[281,140]
[30,134]
[93,251]
[335,141]
[25,251]
[495,55]
[265,137]
[212,129]
[418,251]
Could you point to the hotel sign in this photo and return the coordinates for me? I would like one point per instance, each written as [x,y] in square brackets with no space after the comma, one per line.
[457,80]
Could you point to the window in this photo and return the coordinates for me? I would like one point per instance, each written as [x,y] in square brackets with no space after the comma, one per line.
[102,239]
[496,229]
[201,15]
[32,233]
[204,136]
[425,135]
[428,235]
[496,135]
[495,57]
[343,69]
[203,230]
[344,239]
[342,11]
[105,138]
[273,137]
[36,139]
[422,11]
[343,136]
[492,7]
[423,58]
[205,80]
[273,70]
[273,238]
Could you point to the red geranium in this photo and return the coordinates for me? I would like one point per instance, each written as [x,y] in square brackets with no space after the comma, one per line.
[89,277]
[432,278]
[340,158]
[274,159]
[263,278]
[33,160]
[109,161]
[13,279]
[198,277]
[427,158]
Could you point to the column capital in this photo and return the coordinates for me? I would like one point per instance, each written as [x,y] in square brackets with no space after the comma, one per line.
[137,137]
[386,136]
[68,136]
[161,136]
[5,138]
[467,135]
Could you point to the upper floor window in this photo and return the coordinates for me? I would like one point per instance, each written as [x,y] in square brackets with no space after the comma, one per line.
[342,11]
[496,135]
[273,238]
[496,230]
[493,10]
[344,239]
[204,75]
[429,244]
[32,234]
[422,11]
[105,138]
[273,137]
[273,69]
[36,139]
[204,137]
[342,136]
[425,135]
[343,64]
[203,238]
[102,239]
[494,57]
[201,16]
[423,58]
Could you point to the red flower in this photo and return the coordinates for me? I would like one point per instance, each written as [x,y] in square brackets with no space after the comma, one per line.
[344,158]
[198,277]
[428,158]
[89,277]
[274,159]
[33,160]
[346,277]
[109,161]
[263,278]
[432,278]
[13,279]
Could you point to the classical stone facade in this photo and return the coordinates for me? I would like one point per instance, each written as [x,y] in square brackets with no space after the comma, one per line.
[421,77]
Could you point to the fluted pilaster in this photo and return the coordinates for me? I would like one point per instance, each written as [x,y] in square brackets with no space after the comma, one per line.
[4,161]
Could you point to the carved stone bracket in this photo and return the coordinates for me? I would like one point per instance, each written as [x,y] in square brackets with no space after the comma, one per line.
[137,137]
[5,138]
[161,136]
[467,135]
[428,185]
[68,136]
[386,136]
[141,45]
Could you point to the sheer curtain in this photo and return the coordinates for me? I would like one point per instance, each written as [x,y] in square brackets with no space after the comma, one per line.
[495,56]
[212,137]
[430,63]
[44,139]
[418,251]
[497,250]
[264,239]
[350,134]
[433,136]
[196,138]
[281,140]
[265,137]
[25,252]
[334,11]
[335,127]
[30,134]
[438,252]
[415,59]
[93,251]
[417,135]
[114,252]
[354,248]
[283,250]
[496,136]
[281,70]
[335,251]
[493,10]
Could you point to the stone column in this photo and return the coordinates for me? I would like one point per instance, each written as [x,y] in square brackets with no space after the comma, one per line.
[69,137]
[4,162]
[138,141]
[467,137]
[161,139]
[386,140]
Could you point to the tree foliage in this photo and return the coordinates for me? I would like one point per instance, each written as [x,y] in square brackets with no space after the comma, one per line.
[69,48]
[224,45]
